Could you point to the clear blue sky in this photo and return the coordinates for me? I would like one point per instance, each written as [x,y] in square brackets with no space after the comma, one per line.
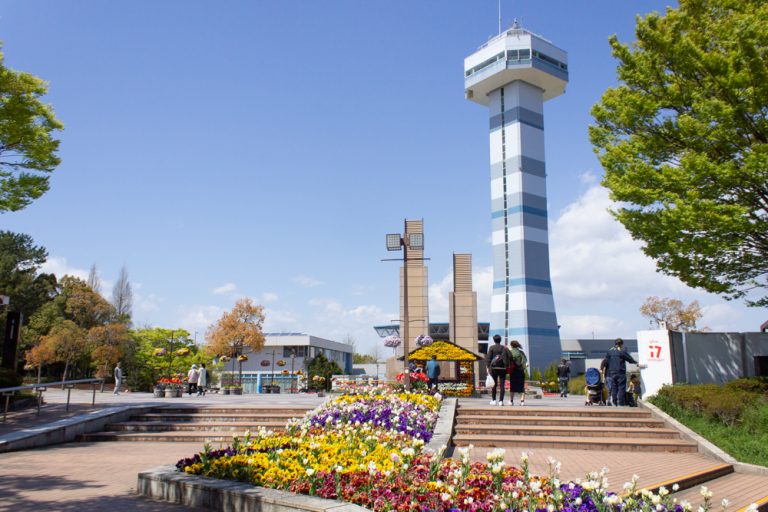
[264,148]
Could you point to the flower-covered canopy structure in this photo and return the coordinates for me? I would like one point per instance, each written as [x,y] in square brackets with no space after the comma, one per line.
[447,351]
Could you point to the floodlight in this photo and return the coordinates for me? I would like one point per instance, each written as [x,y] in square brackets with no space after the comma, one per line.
[394,242]
[416,241]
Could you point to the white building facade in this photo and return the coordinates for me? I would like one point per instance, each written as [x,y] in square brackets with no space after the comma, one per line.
[294,351]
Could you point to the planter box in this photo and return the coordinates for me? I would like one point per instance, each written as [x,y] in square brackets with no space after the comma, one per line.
[170,393]
[158,393]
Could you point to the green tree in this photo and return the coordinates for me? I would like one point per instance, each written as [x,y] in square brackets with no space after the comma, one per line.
[27,148]
[683,140]
[363,359]
[320,366]
[20,261]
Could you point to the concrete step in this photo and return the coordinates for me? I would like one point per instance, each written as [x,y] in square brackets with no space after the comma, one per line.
[573,442]
[216,417]
[693,478]
[178,437]
[288,411]
[578,421]
[566,430]
[594,411]
[162,426]
[740,489]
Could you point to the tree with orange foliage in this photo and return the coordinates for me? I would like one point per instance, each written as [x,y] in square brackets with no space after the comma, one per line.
[237,329]
[39,356]
[673,313]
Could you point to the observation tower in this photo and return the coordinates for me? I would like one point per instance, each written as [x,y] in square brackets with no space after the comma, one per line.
[513,74]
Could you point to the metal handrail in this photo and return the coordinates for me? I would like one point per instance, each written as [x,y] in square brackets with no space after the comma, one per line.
[40,388]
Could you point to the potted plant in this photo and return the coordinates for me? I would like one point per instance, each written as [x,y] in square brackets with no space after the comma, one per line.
[158,391]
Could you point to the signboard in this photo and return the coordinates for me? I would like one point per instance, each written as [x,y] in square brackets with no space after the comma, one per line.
[653,350]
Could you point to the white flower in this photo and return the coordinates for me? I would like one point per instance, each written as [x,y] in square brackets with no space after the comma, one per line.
[577,501]
[445,496]
[706,493]
[751,508]
[675,487]
[725,502]
[310,471]
[663,491]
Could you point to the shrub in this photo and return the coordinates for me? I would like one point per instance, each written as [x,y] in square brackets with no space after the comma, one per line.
[577,385]
[750,385]
[9,378]
[733,416]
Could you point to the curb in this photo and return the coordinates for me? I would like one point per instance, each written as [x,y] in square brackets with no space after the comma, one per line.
[705,446]
[443,432]
[66,430]
[167,484]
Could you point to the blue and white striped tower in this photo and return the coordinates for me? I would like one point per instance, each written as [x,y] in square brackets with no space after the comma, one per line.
[513,74]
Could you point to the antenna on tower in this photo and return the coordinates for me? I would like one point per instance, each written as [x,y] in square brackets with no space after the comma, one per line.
[499,2]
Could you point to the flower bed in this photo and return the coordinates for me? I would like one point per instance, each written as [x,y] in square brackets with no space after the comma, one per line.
[454,389]
[368,449]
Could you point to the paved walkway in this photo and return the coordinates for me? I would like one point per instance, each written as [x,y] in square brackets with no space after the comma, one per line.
[102,476]
[80,477]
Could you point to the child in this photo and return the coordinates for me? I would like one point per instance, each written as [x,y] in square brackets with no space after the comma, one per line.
[634,392]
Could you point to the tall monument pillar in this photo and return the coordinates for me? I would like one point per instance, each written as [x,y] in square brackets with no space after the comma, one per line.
[513,74]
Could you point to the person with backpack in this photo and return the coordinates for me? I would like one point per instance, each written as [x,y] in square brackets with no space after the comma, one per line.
[496,361]
[563,376]
[518,361]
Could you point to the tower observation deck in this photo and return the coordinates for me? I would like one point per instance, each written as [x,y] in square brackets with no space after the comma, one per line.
[513,74]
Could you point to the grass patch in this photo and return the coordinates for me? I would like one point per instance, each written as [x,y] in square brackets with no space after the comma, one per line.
[735,420]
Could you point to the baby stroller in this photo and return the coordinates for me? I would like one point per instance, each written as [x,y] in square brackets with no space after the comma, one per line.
[594,387]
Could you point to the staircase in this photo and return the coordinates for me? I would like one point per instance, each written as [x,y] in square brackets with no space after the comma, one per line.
[196,424]
[581,428]
[575,434]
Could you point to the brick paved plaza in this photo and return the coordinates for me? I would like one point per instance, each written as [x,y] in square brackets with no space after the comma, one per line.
[81,476]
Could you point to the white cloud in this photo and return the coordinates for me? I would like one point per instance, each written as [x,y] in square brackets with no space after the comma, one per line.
[336,321]
[198,318]
[594,258]
[280,321]
[59,267]
[307,282]
[146,303]
[482,283]
[225,288]
[720,317]
[597,326]
[269,297]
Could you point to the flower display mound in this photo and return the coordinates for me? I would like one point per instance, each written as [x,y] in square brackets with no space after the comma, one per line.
[413,414]
[368,449]
[368,432]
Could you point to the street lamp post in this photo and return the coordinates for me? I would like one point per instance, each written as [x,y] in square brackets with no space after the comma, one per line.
[395,242]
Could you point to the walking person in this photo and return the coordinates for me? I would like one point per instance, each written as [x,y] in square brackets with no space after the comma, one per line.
[118,378]
[563,376]
[202,380]
[616,370]
[433,372]
[192,377]
[496,361]
[518,362]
